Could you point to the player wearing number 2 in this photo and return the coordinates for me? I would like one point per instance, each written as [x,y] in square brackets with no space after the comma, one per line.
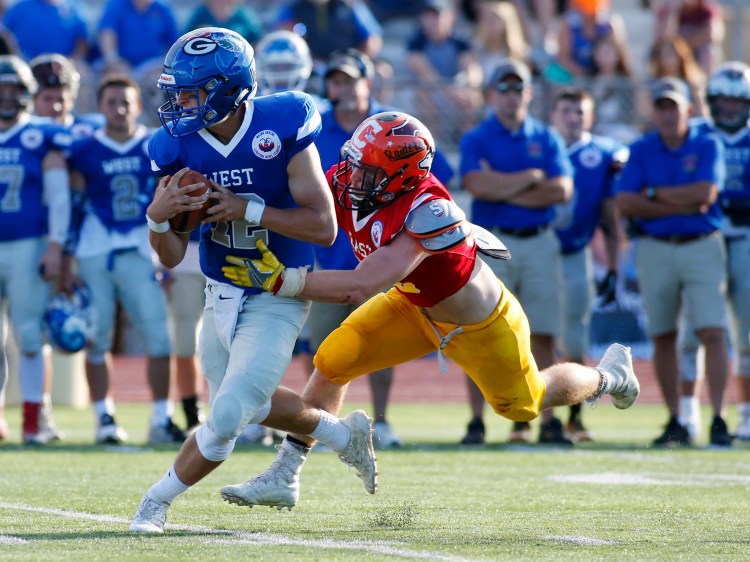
[268,186]
[112,184]
[409,234]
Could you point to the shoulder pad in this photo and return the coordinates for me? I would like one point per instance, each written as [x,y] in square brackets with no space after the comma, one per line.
[489,244]
[446,240]
[433,218]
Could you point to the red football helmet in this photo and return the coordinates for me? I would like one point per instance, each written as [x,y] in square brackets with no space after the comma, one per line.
[388,154]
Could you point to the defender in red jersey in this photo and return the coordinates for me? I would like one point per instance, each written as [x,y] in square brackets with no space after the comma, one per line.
[409,235]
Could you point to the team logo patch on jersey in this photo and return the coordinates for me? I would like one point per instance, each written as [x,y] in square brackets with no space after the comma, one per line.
[590,157]
[690,162]
[534,149]
[32,138]
[266,145]
[376,233]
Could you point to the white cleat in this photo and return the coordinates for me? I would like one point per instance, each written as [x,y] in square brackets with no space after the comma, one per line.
[277,486]
[618,364]
[108,432]
[47,426]
[150,516]
[359,452]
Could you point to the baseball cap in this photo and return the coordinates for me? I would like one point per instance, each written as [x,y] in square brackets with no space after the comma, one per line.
[671,89]
[510,67]
[351,62]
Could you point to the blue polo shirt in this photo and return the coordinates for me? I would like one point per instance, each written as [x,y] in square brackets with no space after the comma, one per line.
[141,36]
[41,27]
[534,145]
[596,161]
[652,163]
[332,137]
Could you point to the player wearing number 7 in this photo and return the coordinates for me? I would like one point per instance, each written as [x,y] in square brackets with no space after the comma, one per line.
[269,186]
[409,234]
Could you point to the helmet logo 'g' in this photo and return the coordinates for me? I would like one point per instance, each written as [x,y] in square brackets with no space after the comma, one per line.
[200,46]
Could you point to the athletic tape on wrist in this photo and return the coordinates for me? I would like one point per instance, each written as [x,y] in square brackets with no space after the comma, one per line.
[159,227]
[254,212]
[293,282]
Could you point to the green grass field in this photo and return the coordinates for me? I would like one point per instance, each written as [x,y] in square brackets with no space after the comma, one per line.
[615,499]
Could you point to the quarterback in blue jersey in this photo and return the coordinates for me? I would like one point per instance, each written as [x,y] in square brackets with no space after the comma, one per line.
[112,184]
[267,186]
[728,96]
[596,161]
[34,218]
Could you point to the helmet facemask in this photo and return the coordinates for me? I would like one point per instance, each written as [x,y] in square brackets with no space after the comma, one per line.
[361,186]
[728,95]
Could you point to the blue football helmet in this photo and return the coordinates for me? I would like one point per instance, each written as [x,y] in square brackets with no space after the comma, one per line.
[70,320]
[284,62]
[217,61]
[730,81]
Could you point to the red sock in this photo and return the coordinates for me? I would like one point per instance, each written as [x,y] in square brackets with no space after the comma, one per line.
[31,417]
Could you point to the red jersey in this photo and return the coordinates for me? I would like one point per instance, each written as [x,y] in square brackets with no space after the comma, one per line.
[437,277]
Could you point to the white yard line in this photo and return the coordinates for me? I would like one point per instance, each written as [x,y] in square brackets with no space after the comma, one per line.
[239,537]
[653,479]
[583,541]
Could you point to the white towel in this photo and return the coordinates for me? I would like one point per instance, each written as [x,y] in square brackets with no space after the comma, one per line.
[227,301]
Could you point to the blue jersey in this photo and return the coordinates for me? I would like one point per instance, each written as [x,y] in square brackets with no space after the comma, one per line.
[734,199]
[534,145]
[596,161]
[23,147]
[119,181]
[275,128]
[332,138]
[652,163]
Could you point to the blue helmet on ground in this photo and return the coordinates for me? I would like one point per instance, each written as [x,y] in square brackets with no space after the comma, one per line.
[214,60]
[70,320]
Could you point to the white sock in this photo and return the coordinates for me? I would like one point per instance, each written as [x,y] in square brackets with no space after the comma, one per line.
[106,406]
[331,432]
[168,488]
[31,377]
[689,412]
[161,411]
[296,455]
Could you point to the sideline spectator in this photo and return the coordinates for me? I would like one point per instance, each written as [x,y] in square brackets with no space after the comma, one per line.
[669,189]
[135,34]
[34,218]
[112,183]
[517,170]
[498,35]
[728,96]
[700,23]
[671,57]
[596,160]
[333,25]
[581,26]
[614,92]
[447,70]
[227,14]
[47,26]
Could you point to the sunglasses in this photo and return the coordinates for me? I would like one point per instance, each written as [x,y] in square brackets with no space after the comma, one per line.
[505,87]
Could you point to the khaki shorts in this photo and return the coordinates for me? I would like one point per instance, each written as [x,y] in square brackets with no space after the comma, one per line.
[672,275]
[534,275]
[388,330]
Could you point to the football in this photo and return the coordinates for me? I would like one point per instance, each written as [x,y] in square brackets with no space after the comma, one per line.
[188,221]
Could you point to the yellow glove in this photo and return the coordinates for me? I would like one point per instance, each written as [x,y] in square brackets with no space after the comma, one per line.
[264,273]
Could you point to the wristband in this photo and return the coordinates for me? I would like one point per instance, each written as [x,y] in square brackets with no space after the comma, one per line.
[159,227]
[254,211]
